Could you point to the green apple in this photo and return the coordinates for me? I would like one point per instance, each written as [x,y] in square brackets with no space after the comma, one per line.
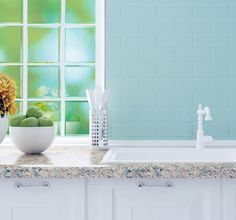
[29,122]
[34,112]
[45,122]
[16,120]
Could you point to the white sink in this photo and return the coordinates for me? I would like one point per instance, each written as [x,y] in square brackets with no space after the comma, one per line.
[168,155]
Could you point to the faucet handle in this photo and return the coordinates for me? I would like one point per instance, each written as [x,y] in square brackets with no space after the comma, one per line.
[208,114]
[200,107]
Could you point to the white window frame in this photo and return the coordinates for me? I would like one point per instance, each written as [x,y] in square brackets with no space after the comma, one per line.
[99,63]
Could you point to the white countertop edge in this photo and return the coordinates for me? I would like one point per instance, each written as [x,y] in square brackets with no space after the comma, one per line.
[169,143]
[84,140]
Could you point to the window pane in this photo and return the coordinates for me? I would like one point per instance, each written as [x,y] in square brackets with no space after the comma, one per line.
[77,118]
[19,108]
[10,11]
[80,45]
[15,72]
[43,45]
[45,11]
[80,11]
[10,44]
[78,79]
[43,82]
[50,110]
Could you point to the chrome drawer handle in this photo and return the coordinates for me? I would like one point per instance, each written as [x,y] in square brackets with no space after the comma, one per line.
[167,185]
[19,185]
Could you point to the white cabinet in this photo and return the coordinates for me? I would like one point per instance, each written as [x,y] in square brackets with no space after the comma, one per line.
[229,199]
[118,199]
[40,199]
[124,200]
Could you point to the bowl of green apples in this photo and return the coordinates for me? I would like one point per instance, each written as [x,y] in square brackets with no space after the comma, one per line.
[32,133]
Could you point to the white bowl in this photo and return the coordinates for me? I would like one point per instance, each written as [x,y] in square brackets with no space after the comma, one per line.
[32,140]
[3,127]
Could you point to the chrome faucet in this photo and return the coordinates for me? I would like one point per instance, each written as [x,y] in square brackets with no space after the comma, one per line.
[201,138]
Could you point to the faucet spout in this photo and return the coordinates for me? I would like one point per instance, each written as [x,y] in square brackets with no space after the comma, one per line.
[201,138]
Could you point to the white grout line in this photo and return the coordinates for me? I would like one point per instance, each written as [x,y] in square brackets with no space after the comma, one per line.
[25,55]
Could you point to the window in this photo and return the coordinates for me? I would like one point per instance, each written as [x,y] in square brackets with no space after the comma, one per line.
[54,50]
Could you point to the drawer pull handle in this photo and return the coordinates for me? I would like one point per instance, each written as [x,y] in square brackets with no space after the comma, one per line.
[167,185]
[19,185]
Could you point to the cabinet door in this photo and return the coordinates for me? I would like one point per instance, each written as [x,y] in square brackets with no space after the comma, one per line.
[42,200]
[186,200]
[229,199]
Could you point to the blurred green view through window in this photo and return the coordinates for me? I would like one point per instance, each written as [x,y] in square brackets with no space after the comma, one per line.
[48,48]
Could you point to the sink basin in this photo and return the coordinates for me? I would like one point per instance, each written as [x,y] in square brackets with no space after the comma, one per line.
[168,155]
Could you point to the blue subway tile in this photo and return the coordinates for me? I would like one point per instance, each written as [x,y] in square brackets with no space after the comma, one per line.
[211,40]
[193,55]
[174,40]
[211,10]
[192,25]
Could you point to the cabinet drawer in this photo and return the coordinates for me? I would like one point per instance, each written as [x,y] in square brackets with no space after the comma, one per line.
[45,199]
[158,199]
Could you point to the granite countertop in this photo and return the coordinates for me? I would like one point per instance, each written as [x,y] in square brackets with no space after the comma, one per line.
[81,162]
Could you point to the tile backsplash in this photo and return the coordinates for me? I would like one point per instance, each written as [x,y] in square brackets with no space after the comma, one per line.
[163,58]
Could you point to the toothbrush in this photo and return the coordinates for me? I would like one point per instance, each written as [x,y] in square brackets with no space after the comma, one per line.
[90,97]
[98,97]
[105,98]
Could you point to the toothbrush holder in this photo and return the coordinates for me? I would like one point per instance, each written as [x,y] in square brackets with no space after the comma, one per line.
[99,129]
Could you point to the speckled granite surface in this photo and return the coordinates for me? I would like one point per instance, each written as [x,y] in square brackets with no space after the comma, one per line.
[81,162]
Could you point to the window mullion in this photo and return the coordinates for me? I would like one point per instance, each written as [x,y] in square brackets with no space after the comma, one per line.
[100,43]
[11,64]
[25,54]
[62,65]
[11,24]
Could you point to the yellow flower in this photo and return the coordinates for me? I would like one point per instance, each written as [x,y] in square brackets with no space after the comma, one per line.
[4,82]
[7,94]
[12,108]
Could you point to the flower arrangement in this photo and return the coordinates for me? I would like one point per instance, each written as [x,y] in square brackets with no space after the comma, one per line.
[7,95]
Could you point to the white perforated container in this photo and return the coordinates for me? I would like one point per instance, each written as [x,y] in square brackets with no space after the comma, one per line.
[98,129]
